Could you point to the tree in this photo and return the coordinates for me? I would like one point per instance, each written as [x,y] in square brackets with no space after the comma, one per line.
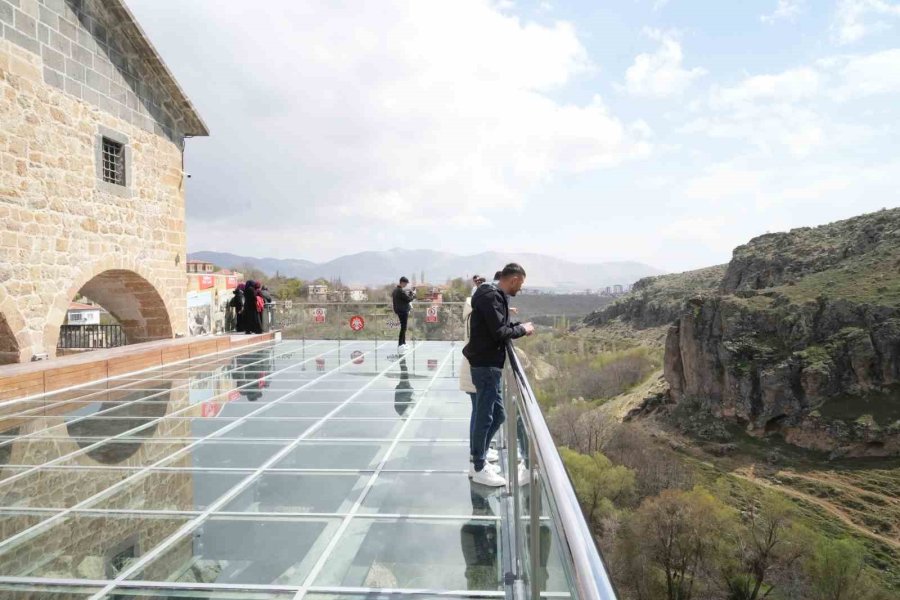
[599,485]
[251,272]
[669,546]
[767,543]
[836,570]
[289,288]
[580,425]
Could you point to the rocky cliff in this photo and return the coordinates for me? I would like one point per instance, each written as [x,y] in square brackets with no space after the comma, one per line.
[799,334]
[802,338]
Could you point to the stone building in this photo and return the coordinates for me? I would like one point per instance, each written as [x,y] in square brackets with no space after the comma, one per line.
[92,135]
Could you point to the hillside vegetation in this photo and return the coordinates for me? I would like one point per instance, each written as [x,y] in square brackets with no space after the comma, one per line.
[776,416]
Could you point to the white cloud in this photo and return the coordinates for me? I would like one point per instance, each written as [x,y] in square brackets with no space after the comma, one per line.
[866,75]
[770,112]
[660,74]
[790,86]
[786,10]
[405,115]
[855,19]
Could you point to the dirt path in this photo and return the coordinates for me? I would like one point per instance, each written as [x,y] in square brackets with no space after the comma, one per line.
[843,484]
[829,508]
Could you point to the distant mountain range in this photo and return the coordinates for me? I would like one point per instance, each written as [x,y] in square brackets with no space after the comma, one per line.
[379,268]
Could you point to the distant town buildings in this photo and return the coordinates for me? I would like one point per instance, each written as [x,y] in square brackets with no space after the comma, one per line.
[358,294]
[317,293]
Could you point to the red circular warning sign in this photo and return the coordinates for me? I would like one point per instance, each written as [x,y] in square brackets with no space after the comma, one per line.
[357,323]
[357,357]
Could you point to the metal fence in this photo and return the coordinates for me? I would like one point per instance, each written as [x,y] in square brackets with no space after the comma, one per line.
[362,321]
[90,336]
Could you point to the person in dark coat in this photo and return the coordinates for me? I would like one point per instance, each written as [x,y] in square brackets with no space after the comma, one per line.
[402,301]
[252,317]
[490,332]
[237,307]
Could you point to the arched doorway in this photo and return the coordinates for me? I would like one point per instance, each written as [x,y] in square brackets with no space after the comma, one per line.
[131,301]
[9,347]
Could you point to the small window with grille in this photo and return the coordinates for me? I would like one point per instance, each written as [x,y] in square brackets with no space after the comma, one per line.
[113,162]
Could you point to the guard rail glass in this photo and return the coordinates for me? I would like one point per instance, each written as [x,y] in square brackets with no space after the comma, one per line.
[544,508]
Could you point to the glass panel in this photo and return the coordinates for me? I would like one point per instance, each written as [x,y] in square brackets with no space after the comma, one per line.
[124,453]
[211,454]
[438,429]
[179,594]
[9,591]
[300,493]
[171,490]
[375,410]
[58,488]
[370,395]
[388,553]
[227,550]
[371,595]
[441,410]
[357,428]
[298,411]
[319,396]
[431,494]
[87,547]
[270,428]
[201,428]
[338,384]
[336,455]
[433,455]
[15,522]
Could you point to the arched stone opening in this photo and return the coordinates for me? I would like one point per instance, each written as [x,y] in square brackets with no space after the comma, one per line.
[9,347]
[131,410]
[132,301]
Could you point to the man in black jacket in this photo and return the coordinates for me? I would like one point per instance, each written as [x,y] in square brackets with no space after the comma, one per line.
[402,301]
[491,329]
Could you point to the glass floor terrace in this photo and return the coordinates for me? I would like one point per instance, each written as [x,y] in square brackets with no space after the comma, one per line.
[314,469]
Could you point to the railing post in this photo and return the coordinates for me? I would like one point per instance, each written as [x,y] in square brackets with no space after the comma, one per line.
[512,471]
[534,514]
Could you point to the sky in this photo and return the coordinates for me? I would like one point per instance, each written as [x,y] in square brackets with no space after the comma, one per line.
[662,131]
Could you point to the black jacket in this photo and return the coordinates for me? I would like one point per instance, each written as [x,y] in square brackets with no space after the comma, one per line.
[490,328]
[401,300]
[237,302]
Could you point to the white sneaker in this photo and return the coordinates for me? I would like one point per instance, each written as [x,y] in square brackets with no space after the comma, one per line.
[524,475]
[487,467]
[492,455]
[489,478]
[402,349]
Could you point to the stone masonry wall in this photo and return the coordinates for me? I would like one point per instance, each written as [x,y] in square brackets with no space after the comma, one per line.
[65,81]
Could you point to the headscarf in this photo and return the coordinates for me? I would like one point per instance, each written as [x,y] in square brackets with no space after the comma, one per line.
[240,287]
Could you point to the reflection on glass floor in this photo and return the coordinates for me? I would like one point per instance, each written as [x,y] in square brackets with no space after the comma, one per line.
[299,469]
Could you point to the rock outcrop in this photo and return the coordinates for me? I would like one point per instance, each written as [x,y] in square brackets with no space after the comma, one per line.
[655,301]
[802,338]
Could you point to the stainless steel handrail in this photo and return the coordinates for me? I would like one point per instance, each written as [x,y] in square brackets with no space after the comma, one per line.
[591,578]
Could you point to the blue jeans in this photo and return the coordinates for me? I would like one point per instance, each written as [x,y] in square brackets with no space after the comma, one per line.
[471,427]
[489,412]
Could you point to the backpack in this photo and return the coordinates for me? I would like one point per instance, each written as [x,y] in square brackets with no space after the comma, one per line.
[260,303]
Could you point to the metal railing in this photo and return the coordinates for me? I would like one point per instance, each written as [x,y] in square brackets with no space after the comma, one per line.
[527,437]
[90,336]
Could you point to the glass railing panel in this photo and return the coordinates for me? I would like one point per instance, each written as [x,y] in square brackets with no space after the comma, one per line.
[368,321]
[555,554]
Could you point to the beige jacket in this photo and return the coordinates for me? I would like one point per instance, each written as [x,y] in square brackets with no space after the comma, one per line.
[465,372]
